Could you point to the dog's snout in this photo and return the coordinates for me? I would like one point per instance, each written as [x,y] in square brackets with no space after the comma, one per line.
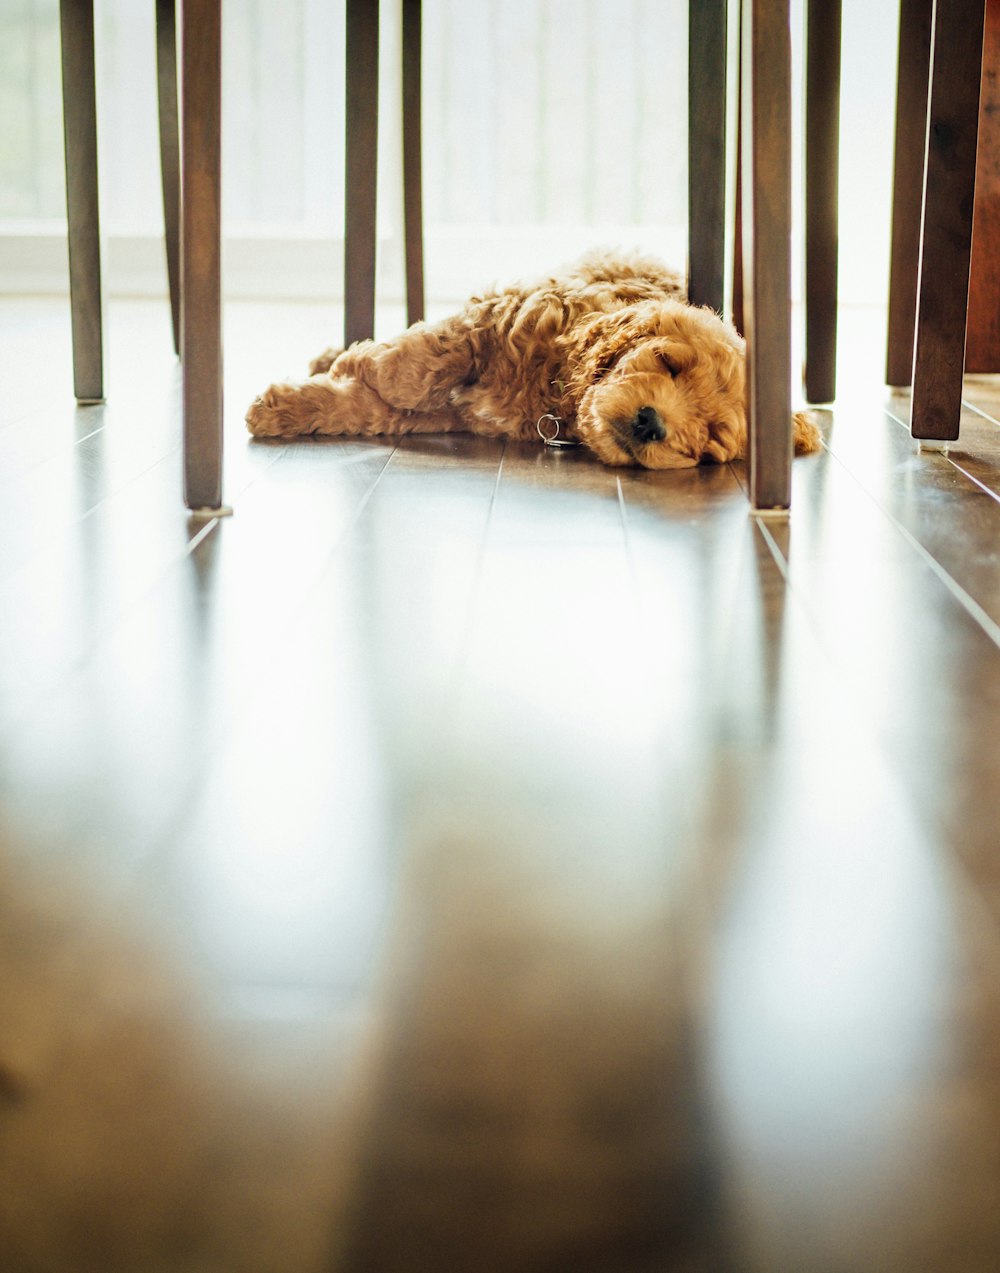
[647,425]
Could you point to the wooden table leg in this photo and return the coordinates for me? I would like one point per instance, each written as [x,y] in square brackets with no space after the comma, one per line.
[201,228]
[361,151]
[822,137]
[412,164]
[82,212]
[767,208]
[946,229]
[166,84]
[707,33]
[982,343]
[908,185]
[738,318]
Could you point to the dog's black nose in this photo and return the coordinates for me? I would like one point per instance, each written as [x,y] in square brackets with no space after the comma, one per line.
[647,425]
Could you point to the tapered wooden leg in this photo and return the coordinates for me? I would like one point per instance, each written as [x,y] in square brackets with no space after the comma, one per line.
[706,152]
[766,142]
[738,307]
[908,185]
[201,288]
[822,136]
[166,82]
[413,215]
[82,210]
[946,229]
[982,343]
[361,162]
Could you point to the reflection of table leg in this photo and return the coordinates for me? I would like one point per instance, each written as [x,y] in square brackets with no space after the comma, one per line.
[201,289]
[946,229]
[982,346]
[822,136]
[707,152]
[766,143]
[83,220]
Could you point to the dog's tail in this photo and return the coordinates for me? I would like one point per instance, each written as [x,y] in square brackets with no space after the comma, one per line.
[805,433]
[324,361]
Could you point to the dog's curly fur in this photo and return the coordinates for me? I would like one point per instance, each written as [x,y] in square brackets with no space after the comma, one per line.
[611,347]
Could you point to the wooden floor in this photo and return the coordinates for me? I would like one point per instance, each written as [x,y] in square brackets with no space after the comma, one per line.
[469,857]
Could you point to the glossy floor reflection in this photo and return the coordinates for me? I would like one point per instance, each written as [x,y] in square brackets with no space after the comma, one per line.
[468,857]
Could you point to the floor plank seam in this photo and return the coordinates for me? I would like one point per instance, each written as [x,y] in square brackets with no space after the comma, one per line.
[972,607]
[994,495]
[905,426]
[462,662]
[84,657]
[981,411]
[25,414]
[202,535]
[629,551]
[777,555]
[172,454]
[86,438]
[961,872]
[192,788]
[783,567]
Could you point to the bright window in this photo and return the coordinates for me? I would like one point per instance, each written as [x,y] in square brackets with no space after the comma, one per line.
[549,125]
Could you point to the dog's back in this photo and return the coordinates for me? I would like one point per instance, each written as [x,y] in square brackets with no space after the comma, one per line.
[616,268]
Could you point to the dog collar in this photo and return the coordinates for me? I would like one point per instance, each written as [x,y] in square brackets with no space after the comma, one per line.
[553,439]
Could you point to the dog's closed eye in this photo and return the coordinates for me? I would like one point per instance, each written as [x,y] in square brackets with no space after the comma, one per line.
[669,361]
[602,368]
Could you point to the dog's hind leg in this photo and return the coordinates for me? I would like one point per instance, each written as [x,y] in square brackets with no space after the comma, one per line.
[418,370]
[324,361]
[320,404]
[330,405]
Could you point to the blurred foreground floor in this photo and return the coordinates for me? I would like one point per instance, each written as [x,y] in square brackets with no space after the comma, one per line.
[468,857]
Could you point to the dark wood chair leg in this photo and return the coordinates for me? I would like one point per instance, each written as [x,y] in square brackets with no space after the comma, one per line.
[166,83]
[707,152]
[413,215]
[767,208]
[361,163]
[739,321]
[201,288]
[822,137]
[982,341]
[946,229]
[908,185]
[76,19]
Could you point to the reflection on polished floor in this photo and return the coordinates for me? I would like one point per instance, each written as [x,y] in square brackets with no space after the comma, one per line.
[468,857]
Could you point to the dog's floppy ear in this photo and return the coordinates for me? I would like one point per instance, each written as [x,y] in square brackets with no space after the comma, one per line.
[602,364]
[605,337]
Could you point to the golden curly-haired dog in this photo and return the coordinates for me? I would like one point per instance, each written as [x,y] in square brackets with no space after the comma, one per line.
[610,347]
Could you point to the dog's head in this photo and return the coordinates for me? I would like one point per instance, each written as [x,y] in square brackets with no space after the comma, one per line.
[660,384]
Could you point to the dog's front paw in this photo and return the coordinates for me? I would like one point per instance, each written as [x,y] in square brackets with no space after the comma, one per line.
[265,418]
